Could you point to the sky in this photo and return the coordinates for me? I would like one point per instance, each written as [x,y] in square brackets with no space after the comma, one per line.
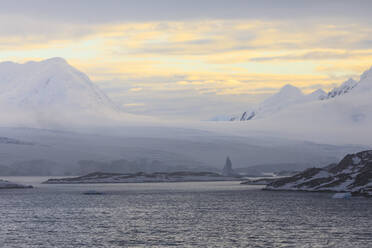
[194,59]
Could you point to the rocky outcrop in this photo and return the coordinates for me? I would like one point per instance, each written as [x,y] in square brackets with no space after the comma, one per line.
[6,140]
[180,176]
[352,174]
[227,170]
[260,181]
[10,185]
[287,96]
[247,116]
[344,88]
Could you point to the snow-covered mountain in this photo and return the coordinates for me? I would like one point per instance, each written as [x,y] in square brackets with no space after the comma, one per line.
[342,89]
[291,97]
[51,84]
[316,95]
[53,92]
[287,96]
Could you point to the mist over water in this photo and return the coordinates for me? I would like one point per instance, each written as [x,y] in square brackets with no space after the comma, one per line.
[208,214]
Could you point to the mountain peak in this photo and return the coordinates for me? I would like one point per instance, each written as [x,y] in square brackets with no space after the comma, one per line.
[50,84]
[289,88]
[50,61]
[287,95]
[55,60]
[289,91]
[57,63]
[318,91]
[318,94]
[344,88]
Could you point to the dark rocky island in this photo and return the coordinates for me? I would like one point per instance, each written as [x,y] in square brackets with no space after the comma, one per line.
[10,185]
[259,181]
[181,176]
[352,174]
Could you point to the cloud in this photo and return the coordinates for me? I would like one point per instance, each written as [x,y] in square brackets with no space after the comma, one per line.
[204,95]
[162,57]
[85,11]
[135,104]
[135,89]
[25,33]
[316,55]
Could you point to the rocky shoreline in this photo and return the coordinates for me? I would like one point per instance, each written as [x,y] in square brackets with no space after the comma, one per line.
[10,185]
[352,174]
[100,177]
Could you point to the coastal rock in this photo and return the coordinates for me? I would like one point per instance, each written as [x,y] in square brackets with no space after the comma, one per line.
[180,176]
[352,174]
[10,185]
[227,170]
[259,181]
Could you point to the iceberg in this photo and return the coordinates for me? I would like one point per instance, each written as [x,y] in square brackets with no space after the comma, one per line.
[346,195]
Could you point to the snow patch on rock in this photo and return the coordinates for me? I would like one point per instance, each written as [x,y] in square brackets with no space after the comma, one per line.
[353,174]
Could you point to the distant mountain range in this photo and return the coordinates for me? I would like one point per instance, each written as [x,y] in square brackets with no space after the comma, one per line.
[46,99]
[290,96]
[52,91]
[287,96]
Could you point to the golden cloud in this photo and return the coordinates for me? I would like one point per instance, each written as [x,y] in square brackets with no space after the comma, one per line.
[211,56]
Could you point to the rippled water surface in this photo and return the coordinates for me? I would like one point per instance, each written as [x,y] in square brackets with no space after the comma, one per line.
[209,214]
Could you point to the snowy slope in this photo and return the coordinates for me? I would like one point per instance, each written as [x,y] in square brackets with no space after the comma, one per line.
[353,105]
[318,94]
[49,86]
[344,119]
[287,96]
[344,88]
